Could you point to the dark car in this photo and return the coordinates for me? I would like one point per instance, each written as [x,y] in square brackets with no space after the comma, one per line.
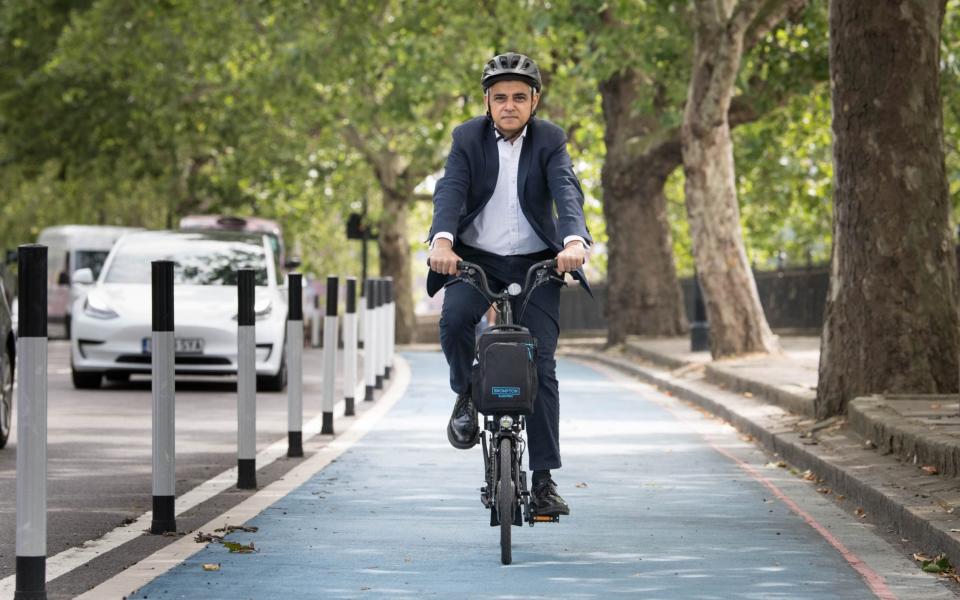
[7,353]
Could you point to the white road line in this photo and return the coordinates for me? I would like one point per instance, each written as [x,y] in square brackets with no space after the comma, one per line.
[71,558]
[161,561]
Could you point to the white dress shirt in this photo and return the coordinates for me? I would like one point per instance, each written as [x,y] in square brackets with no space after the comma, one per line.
[501,228]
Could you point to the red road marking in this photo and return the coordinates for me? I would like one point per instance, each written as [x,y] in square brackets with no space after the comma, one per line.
[873,579]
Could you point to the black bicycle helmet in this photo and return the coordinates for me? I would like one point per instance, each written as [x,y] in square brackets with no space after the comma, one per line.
[512,67]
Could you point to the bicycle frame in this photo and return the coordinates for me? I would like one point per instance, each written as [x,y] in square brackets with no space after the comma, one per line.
[507,427]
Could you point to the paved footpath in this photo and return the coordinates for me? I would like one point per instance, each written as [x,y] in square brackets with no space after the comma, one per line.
[666,503]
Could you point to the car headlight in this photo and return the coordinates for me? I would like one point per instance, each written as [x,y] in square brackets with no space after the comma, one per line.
[259,312]
[95,307]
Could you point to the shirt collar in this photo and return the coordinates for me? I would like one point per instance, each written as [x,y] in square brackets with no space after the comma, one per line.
[499,137]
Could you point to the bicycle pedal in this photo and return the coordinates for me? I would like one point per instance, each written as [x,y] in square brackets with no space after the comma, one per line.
[546,518]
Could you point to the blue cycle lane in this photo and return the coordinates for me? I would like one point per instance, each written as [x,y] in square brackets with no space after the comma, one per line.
[656,513]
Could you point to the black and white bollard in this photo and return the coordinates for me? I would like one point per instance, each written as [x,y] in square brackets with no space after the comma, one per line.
[163,385]
[315,323]
[380,328]
[391,323]
[246,381]
[350,348]
[295,365]
[32,424]
[370,342]
[362,314]
[330,353]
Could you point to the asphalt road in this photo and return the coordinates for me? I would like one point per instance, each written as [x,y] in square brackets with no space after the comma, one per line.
[99,450]
[667,502]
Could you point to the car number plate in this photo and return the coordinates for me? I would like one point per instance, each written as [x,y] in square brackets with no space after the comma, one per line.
[181,346]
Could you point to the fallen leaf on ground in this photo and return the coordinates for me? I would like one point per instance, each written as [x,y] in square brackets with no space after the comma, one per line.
[239,548]
[939,564]
[809,476]
[841,497]
[920,556]
[860,512]
[171,534]
[581,485]
[746,437]
[747,395]
[779,464]
[202,537]
[211,566]
[231,528]
[929,469]
[823,490]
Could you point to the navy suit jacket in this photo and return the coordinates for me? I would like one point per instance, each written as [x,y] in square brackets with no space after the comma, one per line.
[545,179]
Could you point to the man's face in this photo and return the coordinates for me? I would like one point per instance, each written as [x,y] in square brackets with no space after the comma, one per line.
[511,103]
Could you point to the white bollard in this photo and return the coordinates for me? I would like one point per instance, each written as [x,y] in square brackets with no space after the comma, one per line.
[32,424]
[350,348]
[391,327]
[246,381]
[370,342]
[381,296]
[295,365]
[330,353]
[163,388]
[315,322]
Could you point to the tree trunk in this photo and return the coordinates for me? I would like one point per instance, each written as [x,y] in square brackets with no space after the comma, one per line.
[737,322]
[395,261]
[643,293]
[891,321]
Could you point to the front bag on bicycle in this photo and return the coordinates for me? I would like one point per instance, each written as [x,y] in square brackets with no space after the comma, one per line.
[505,376]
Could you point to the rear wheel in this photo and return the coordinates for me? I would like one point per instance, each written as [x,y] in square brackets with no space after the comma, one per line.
[6,399]
[506,499]
[86,380]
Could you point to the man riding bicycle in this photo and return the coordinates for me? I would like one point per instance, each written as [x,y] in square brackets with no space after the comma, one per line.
[494,206]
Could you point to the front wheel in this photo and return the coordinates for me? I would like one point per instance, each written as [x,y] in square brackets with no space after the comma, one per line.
[506,498]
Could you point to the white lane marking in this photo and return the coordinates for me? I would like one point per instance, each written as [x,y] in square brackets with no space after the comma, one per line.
[77,556]
[168,557]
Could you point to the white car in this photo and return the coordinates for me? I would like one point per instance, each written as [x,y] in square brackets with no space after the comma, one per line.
[111,327]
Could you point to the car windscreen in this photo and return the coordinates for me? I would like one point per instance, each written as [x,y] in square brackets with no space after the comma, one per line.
[90,259]
[196,261]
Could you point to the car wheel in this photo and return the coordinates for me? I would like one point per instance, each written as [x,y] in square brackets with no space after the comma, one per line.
[6,400]
[274,383]
[86,380]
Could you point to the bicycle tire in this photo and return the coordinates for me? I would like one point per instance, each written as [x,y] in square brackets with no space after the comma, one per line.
[505,500]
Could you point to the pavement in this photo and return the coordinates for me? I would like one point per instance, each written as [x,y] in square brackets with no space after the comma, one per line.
[893,459]
[667,502]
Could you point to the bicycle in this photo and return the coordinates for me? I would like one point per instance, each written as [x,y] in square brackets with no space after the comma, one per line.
[504,403]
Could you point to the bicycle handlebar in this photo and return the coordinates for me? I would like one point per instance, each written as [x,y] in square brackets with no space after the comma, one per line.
[536,269]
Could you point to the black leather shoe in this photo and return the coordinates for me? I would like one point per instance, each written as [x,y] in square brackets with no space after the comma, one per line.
[462,430]
[544,499]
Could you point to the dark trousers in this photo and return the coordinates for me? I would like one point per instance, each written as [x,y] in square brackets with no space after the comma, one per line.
[463,307]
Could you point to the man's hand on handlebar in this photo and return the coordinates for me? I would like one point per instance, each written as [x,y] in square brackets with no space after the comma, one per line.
[443,259]
[572,257]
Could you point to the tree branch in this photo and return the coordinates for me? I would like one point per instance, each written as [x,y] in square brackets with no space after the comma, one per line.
[769,17]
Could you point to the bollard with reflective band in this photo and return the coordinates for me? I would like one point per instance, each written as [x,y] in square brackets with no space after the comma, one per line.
[362,314]
[246,381]
[370,343]
[163,386]
[295,365]
[315,323]
[380,329]
[391,324]
[350,348]
[32,423]
[330,354]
